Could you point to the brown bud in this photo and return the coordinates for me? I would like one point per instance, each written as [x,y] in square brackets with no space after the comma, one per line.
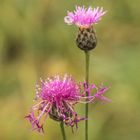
[86,39]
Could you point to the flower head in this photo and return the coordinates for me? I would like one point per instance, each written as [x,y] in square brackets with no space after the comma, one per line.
[56,98]
[83,17]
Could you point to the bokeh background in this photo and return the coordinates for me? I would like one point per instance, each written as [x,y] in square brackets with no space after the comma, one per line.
[35,42]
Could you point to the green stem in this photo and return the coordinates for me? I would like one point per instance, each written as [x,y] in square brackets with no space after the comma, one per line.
[63,130]
[87,82]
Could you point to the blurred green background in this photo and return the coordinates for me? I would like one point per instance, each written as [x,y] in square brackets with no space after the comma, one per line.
[35,42]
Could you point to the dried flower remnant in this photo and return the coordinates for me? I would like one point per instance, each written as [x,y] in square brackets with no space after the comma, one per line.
[56,98]
[85,19]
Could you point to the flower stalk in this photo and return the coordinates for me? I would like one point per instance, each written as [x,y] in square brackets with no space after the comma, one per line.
[87,94]
[63,130]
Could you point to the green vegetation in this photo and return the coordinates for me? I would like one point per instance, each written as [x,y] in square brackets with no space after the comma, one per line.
[35,42]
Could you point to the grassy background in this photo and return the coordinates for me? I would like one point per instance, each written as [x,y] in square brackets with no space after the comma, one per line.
[35,42]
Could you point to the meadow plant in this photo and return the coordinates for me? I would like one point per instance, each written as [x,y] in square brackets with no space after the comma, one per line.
[57,96]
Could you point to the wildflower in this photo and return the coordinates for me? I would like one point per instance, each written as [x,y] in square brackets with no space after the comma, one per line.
[56,98]
[84,19]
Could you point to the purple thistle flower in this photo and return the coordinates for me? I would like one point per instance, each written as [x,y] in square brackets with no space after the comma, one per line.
[83,17]
[56,98]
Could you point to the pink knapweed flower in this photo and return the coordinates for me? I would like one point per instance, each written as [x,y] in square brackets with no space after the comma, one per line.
[56,98]
[83,17]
